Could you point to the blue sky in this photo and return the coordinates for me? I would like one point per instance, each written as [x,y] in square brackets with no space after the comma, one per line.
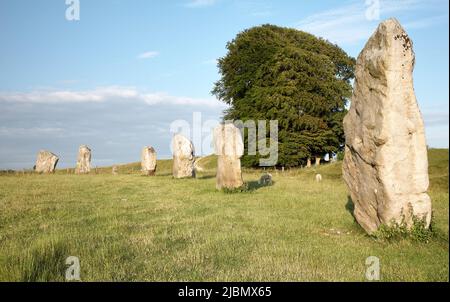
[117,78]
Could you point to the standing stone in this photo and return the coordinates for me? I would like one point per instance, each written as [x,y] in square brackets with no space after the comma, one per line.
[229,147]
[318,160]
[115,171]
[46,162]
[265,180]
[183,157]
[84,160]
[148,161]
[318,178]
[386,165]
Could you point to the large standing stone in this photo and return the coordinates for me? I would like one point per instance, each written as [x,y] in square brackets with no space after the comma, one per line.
[148,161]
[386,165]
[84,160]
[183,157]
[229,148]
[46,162]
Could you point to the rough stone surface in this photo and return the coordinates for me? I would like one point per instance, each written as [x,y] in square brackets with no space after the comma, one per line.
[46,162]
[84,160]
[229,147]
[318,159]
[386,165]
[115,170]
[318,177]
[266,180]
[183,157]
[148,161]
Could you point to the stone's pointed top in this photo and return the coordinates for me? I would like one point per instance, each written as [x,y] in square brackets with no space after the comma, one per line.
[85,147]
[150,148]
[182,146]
[391,27]
[391,23]
[180,136]
[47,153]
[388,50]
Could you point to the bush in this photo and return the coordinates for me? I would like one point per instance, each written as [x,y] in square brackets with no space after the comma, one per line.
[397,231]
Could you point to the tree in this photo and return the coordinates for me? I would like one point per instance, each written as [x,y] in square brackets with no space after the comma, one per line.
[304,82]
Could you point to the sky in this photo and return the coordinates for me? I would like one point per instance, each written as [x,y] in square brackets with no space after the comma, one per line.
[119,75]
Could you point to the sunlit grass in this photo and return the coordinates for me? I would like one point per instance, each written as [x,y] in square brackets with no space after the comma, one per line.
[130,227]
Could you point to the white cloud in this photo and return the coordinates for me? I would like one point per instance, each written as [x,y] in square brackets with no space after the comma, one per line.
[164,98]
[148,55]
[33,131]
[100,94]
[200,3]
[104,94]
[349,23]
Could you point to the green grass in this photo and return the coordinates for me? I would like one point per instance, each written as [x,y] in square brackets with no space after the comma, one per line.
[130,227]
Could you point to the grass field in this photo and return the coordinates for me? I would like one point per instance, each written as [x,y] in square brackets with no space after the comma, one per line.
[135,228]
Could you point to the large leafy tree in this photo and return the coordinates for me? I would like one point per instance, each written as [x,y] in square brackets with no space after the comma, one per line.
[304,82]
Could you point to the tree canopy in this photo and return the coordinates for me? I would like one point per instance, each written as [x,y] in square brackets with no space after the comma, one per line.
[304,82]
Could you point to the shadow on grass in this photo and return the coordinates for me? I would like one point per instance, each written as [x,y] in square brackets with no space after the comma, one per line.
[350,207]
[248,187]
[206,176]
[256,185]
[164,174]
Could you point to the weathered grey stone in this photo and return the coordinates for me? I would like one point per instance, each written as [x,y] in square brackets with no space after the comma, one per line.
[46,162]
[386,164]
[229,147]
[84,160]
[266,180]
[148,161]
[115,170]
[183,157]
